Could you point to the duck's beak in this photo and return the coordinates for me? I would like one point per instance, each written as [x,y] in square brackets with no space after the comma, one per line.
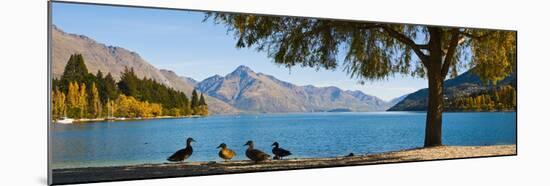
[193,140]
[219,146]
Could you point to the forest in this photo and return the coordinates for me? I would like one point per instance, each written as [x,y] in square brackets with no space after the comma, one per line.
[501,98]
[79,94]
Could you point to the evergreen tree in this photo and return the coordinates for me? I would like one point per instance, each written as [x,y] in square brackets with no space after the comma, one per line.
[75,71]
[194,99]
[110,87]
[128,83]
[201,100]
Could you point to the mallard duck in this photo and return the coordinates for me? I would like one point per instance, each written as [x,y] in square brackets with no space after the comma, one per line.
[255,154]
[225,153]
[279,152]
[183,154]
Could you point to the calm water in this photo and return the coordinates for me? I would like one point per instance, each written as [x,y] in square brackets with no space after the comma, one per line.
[305,134]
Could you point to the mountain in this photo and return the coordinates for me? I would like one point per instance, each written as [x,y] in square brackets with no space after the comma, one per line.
[98,56]
[242,90]
[396,100]
[463,85]
[113,59]
[247,90]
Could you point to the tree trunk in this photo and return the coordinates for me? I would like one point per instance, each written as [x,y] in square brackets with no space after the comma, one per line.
[435,87]
[435,111]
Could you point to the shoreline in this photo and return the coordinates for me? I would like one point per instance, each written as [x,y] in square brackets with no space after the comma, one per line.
[163,170]
[87,120]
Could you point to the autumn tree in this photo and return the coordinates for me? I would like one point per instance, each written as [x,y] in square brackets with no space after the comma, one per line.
[82,101]
[58,104]
[95,102]
[72,99]
[374,51]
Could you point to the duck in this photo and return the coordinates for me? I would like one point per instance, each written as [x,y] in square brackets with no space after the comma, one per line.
[255,154]
[279,152]
[182,154]
[226,153]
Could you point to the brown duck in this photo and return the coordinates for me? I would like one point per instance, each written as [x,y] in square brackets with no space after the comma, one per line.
[255,154]
[225,153]
[279,152]
[183,154]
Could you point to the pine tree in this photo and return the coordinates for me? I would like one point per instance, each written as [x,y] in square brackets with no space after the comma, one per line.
[129,83]
[82,101]
[75,71]
[110,87]
[194,99]
[201,100]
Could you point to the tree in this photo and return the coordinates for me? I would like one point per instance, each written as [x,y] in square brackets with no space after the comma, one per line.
[201,100]
[82,101]
[95,102]
[194,99]
[72,99]
[374,51]
[75,71]
[58,104]
[129,82]
[110,87]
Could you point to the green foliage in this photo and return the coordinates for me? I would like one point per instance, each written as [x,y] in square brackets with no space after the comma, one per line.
[373,51]
[201,100]
[194,99]
[75,70]
[109,88]
[79,94]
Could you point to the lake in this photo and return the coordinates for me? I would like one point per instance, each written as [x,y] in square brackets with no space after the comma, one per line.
[304,134]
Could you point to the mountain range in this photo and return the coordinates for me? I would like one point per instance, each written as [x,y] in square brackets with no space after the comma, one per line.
[257,92]
[242,90]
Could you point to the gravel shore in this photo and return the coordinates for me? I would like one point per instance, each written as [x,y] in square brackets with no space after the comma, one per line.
[94,174]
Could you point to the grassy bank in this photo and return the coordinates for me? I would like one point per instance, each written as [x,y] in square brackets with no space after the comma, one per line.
[78,175]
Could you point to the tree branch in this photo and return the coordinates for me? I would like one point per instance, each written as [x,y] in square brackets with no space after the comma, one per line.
[450,51]
[470,35]
[409,42]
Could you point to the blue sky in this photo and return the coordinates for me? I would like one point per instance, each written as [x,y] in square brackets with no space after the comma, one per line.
[181,42]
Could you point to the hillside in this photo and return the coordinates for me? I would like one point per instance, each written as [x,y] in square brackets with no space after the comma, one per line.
[113,59]
[466,84]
